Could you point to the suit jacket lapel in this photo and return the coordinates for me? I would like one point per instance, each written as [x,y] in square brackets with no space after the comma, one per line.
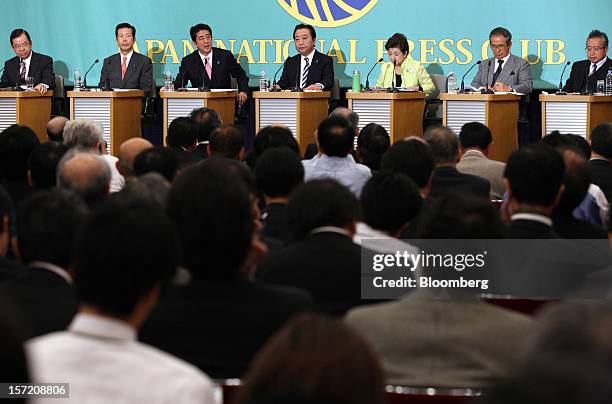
[314,64]
[505,73]
[130,68]
[216,62]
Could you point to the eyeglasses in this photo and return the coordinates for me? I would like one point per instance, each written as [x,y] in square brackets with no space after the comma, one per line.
[498,47]
[594,48]
[21,46]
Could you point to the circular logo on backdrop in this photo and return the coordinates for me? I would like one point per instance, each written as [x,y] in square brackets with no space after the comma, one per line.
[327,13]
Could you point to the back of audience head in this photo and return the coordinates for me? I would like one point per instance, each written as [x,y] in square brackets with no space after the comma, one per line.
[372,143]
[16,144]
[601,140]
[43,163]
[8,220]
[559,140]
[335,137]
[149,187]
[314,359]
[271,137]
[156,159]
[389,201]
[55,129]
[351,116]
[207,120]
[444,145]
[83,133]
[48,225]
[85,174]
[414,158]
[534,175]
[226,141]
[321,203]
[576,180]
[211,207]
[117,270]
[128,152]
[278,171]
[474,135]
[182,133]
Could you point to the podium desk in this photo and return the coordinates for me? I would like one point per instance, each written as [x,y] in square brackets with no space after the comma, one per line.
[28,108]
[181,103]
[499,112]
[118,112]
[576,114]
[401,114]
[301,112]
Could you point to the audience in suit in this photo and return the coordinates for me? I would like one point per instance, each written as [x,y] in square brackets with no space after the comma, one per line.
[601,157]
[271,137]
[128,151]
[9,268]
[151,187]
[42,164]
[207,120]
[323,259]
[16,145]
[476,140]
[413,157]
[181,140]
[372,143]
[119,275]
[85,174]
[55,128]
[226,141]
[446,178]
[217,318]
[159,160]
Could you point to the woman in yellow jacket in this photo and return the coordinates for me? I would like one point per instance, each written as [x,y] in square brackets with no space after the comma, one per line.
[405,72]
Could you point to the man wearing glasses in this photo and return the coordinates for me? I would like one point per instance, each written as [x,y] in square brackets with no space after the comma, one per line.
[585,73]
[504,71]
[27,64]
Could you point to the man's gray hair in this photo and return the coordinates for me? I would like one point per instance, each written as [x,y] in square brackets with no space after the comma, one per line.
[351,116]
[444,144]
[83,133]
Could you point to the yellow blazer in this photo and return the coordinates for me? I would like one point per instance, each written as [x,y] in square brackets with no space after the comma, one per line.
[413,74]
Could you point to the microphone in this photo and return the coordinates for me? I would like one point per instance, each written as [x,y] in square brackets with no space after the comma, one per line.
[487,90]
[586,83]
[183,76]
[367,86]
[561,92]
[204,88]
[274,89]
[90,67]
[466,73]
[298,88]
[392,89]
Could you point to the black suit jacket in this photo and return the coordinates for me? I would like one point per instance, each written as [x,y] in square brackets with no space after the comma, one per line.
[321,71]
[224,66]
[219,325]
[448,179]
[41,69]
[529,229]
[578,77]
[601,175]
[139,73]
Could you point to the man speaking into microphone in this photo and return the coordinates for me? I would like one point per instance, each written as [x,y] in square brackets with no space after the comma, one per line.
[127,69]
[309,69]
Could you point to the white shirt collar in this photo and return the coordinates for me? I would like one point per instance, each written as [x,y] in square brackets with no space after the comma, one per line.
[330,229]
[53,268]
[474,151]
[309,56]
[598,64]
[27,60]
[102,327]
[534,217]
[128,56]
[209,56]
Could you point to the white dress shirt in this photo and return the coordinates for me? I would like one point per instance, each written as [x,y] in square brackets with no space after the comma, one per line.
[104,363]
[343,169]
[128,56]
[117,181]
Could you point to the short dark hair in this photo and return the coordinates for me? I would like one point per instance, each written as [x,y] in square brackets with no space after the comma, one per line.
[335,137]
[125,25]
[351,116]
[16,144]
[211,208]
[48,225]
[444,144]
[271,137]
[309,27]
[601,139]
[156,159]
[501,31]
[43,163]
[598,34]
[389,201]
[193,31]
[17,33]
[577,180]
[115,266]
[535,174]
[226,141]
[207,120]
[475,134]
[182,132]
[278,171]
[412,157]
[318,203]
[399,41]
[372,143]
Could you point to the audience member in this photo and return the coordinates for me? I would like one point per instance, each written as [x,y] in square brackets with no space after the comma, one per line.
[351,116]
[271,137]
[128,152]
[226,141]
[207,120]
[16,145]
[9,268]
[601,157]
[372,143]
[55,129]
[181,139]
[86,174]
[159,160]
[43,163]
[413,157]
[13,362]
[151,187]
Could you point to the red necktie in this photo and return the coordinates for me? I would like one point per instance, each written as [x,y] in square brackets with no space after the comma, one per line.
[123,67]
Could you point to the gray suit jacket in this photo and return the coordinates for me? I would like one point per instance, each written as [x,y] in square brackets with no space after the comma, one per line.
[139,73]
[424,341]
[475,163]
[516,74]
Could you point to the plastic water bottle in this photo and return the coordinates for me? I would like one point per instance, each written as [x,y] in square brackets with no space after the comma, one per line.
[356,81]
[452,83]
[78,83]
[609,82]
[168,82]
[263,81]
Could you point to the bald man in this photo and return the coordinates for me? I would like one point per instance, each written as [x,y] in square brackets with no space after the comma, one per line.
[86,174]
[55,129]
[128,152]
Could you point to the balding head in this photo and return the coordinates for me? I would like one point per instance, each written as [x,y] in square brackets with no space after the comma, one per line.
[128,152]
[86,174]
[351,117]
[55,129]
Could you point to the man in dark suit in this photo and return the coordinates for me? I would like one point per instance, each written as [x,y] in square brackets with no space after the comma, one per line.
[585,73]
[309,69]
[127,69]
[446,178]
[601,156]
[27,63]
[210,67]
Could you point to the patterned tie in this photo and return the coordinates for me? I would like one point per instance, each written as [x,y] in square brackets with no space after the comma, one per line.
[208,68]
[22,72]
[123,67]
[593,69]
[305,73]
[497,72]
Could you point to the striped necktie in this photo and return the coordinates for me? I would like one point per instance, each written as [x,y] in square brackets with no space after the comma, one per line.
[22,72]
[305,72]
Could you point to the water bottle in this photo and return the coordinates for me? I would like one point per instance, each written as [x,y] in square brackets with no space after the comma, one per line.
[263,81]
[77,80]
[452,83]
[609,82]
[168,81]
[356,81]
